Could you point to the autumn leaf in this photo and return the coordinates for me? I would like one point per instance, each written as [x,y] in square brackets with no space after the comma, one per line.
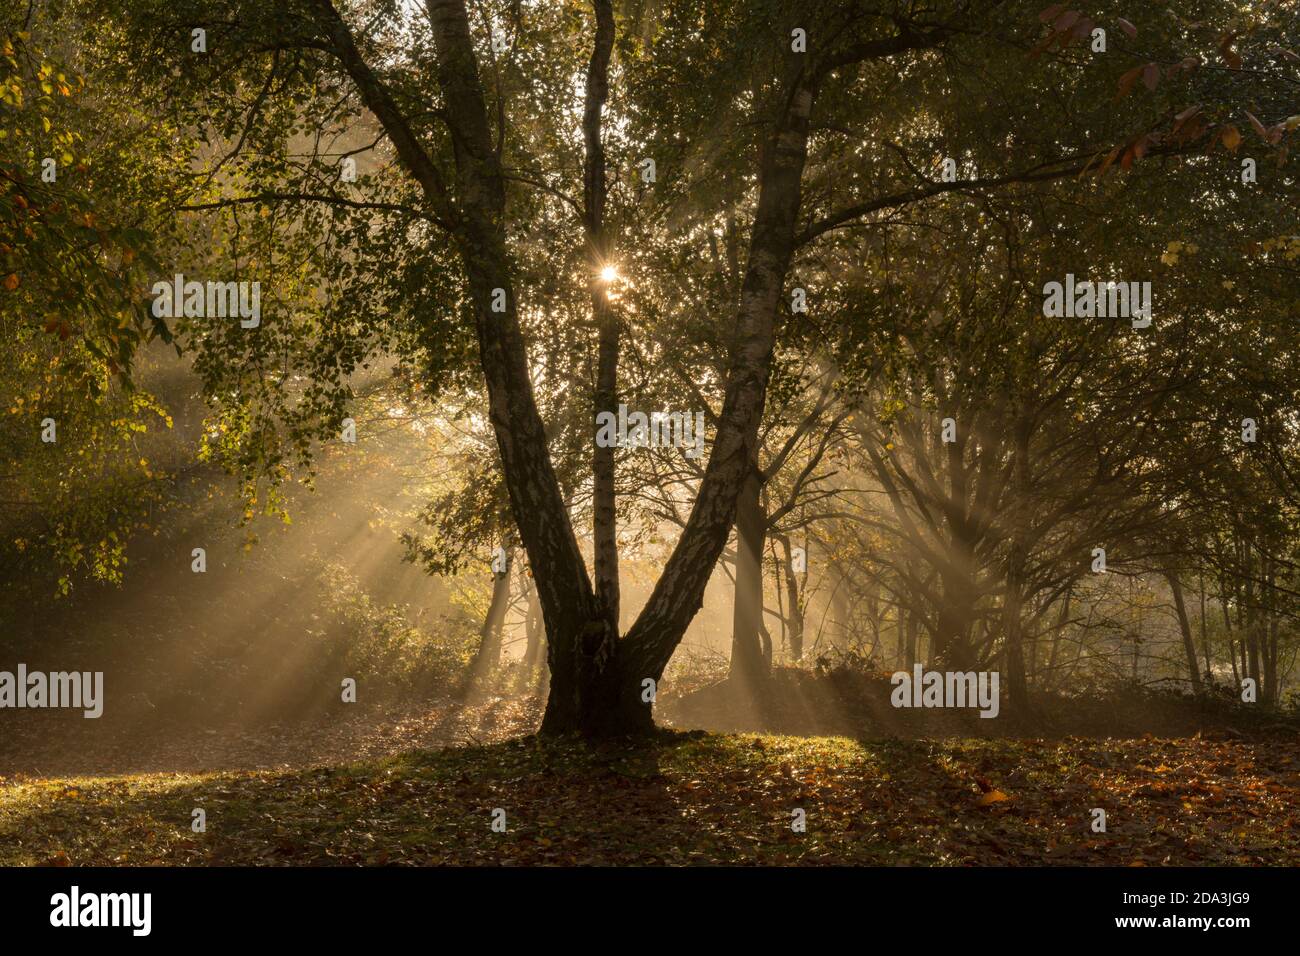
[1257,126]
[1066,20]
[1184,116]
[1127,80]
[992,797]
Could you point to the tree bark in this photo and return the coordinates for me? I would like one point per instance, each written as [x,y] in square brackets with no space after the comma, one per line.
[599,251]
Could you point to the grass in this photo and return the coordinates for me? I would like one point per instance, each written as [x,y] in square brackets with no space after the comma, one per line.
[691,798]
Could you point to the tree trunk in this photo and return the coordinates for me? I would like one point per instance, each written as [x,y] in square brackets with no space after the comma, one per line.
[604,515]
[794,616]
[535,633]
[911,634]
[591,694]
[1269,686]
[1252,621]
[1205,640]
[748,664]
[488,656]
[1057,635]
[952,650]
[1185,626]
[1017,556]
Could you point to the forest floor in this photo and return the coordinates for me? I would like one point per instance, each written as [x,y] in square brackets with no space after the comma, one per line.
[1181,781]
[692,797]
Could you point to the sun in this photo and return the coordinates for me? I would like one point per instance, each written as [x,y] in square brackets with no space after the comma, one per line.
[609,273]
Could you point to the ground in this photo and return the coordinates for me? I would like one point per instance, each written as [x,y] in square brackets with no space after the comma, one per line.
[692,798]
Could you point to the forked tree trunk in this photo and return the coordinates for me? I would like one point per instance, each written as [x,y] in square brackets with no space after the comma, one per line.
[596,680]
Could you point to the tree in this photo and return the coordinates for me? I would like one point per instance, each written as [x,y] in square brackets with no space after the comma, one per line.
[276,65]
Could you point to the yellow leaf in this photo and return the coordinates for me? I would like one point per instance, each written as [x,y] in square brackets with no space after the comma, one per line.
[992,797]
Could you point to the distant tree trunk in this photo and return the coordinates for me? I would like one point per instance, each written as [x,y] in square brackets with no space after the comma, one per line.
[911,633]
[488,656]
[1185,626]
[778,569]
[1057,634]
[900,636]
[536,635]
[1252,620]
[1205,640]
[951,648]
[748,664]
[1269,652]
[1017,556]
[794,613]
[873,613]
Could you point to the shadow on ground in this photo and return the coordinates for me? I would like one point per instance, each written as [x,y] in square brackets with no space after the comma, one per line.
[691,798]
